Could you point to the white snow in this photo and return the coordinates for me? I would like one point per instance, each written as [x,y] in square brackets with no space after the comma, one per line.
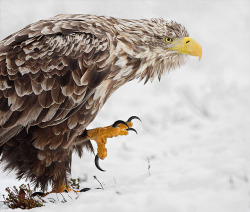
[196,121]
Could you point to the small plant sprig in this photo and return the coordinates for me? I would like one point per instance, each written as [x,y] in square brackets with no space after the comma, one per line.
[74,183]
[22,198]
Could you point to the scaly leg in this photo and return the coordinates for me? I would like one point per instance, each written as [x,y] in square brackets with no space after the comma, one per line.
[101,134]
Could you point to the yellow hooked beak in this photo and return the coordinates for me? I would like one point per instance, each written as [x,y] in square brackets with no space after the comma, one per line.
[187,46]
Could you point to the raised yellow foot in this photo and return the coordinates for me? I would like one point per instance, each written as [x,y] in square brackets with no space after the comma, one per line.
[101,134]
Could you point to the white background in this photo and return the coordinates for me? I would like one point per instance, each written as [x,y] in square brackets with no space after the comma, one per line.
[196,121]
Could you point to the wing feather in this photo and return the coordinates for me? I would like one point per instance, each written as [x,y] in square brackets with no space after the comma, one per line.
[48,71]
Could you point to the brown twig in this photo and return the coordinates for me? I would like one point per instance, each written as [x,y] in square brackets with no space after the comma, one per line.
[98,182]
[149,166]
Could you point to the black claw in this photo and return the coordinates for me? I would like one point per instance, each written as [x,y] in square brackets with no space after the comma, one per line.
[132,129]
[85,189]
[119,122]
[41,194]
[97,163]
[133,117]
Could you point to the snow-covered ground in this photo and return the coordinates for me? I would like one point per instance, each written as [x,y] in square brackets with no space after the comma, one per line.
[195,133]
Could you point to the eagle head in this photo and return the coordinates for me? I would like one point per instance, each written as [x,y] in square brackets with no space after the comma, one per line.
[160,45]
[171,38]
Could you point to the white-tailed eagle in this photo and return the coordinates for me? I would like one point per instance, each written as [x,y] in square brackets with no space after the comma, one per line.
[55,76]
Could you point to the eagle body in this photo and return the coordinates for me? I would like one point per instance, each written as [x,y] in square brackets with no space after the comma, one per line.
[55,76]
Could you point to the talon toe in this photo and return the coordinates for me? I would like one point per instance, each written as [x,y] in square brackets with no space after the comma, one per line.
[132,129]
[119,122]
[41,194]
[84,189]
[97,163]
[133,117]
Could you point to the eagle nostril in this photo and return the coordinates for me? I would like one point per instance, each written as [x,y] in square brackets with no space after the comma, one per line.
[188,41]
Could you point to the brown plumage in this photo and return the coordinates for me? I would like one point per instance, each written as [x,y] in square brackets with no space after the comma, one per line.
[56,74]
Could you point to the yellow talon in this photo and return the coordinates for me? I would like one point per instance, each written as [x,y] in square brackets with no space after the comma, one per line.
[59,189]
[100,135]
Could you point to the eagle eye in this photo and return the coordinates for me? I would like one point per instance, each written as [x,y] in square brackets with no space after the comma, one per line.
[168,39]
